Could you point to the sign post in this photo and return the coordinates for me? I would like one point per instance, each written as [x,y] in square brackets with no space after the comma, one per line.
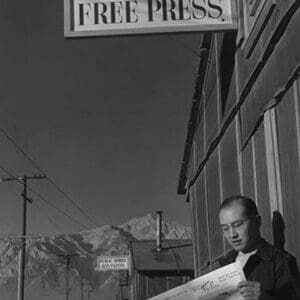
[118,17]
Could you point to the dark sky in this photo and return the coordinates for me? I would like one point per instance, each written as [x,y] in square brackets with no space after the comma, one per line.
[105,117]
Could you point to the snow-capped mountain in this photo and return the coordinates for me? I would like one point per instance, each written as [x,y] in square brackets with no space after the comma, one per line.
[46,260]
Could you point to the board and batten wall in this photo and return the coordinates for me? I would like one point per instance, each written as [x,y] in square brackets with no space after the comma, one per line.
[247,134]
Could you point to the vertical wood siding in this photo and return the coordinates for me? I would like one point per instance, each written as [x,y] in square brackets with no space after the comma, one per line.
[289,164]
[194,218]
[229,162]
[199,143]
[194,212]
[211,117]
[273,76]
[202,221]
[149,286]
[211,100]
[263,200]
[259,153]
[248,175]
[213,196]
[156,285]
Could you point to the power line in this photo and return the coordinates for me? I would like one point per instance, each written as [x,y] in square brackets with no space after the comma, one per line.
[46,201]
[56,186]
[24,237]
[54,224]
[57,208]
[63,212]
[26,199]
[54,206]
[21,150]
[15,236]
[6,171]
[12,175]
[51,221]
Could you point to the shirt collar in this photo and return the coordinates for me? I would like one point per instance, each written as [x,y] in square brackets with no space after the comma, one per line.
[264,252]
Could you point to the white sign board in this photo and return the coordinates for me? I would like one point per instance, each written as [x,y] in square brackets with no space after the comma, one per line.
[219,283]
[106,263]
[116,17]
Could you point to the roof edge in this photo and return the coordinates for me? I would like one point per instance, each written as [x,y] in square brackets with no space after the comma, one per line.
[197,97]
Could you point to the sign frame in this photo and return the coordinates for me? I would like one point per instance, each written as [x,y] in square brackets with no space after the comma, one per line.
[112,257]
[70,32]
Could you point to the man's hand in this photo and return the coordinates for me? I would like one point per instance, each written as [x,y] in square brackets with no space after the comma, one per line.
[250,290]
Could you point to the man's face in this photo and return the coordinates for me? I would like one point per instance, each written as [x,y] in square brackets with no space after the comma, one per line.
[241,232]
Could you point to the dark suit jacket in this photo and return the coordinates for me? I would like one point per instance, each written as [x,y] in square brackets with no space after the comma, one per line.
[276,271]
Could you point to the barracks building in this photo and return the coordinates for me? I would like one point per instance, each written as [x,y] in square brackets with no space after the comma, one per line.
[243,134]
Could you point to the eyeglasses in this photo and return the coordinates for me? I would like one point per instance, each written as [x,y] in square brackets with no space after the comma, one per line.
[239,226]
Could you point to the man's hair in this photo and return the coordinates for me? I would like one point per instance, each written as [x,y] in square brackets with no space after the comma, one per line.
[246,202]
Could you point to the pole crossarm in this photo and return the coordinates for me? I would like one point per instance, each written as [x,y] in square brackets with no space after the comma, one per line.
[3,179]
[24,179]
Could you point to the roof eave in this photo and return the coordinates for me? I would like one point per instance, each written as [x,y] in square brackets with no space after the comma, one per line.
[197,98]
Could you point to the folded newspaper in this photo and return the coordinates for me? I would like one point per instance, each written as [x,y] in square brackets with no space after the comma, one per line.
[220,284]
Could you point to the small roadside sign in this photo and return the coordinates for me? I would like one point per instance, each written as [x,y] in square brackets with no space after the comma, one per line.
[107,263]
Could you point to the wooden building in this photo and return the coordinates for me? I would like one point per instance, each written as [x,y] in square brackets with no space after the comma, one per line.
[243,135]
[122,293]
[154,270]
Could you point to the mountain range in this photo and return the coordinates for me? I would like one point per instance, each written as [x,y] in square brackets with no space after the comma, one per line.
[47,259]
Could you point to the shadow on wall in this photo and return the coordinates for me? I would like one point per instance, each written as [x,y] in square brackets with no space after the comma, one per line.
[278,226]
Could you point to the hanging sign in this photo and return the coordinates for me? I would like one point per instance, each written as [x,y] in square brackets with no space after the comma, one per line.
[106,263]
[117,17]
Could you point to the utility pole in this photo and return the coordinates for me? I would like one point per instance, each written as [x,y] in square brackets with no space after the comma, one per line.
[67,276]
[21,274]
[67,258]
[81,288]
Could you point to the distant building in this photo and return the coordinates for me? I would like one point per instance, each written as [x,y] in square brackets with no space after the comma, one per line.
[122,293]
[154,270]
[244,130]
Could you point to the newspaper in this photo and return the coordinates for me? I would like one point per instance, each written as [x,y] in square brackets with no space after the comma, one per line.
[220,284]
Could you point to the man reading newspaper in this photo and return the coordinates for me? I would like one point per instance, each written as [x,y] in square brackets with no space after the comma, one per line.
[270,273]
